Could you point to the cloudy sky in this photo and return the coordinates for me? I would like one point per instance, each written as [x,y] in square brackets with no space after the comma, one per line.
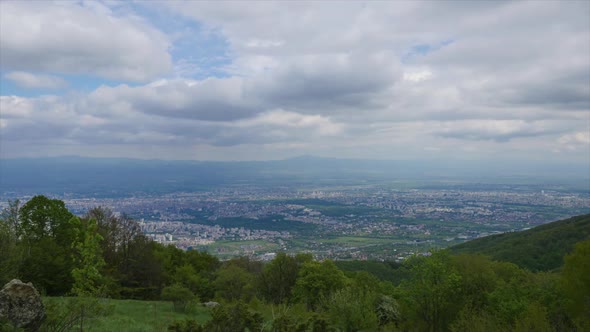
[268,80]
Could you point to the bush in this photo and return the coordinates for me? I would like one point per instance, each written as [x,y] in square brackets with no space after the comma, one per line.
[179,295]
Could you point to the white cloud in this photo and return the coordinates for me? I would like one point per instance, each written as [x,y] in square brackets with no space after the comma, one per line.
[35,81]
[418,75]
[579,138]
[66,37]
[372,79]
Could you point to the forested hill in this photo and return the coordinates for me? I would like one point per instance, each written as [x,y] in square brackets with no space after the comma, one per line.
[538,249]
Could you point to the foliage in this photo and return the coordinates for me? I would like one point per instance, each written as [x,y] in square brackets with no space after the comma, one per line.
[132,315]
[73,312]
[317,281]
[576,284]
[11,254]
[179,295]
[538,249]
[279,276]
[234,283]
[534,319]
[237,317]
[188,325]
[387,310]
[432,292]
[470,319]
[89,262]
[352,310]
[47,230]
[103,254]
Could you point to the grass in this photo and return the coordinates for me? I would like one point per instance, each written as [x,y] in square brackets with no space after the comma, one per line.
[228,249]
[139,316]
[356,240]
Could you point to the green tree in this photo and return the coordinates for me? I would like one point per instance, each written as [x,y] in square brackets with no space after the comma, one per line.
[432,291]
[11,253]
[478,279]
[473,320]
[234,318]
[133,266]
[317,281]
[350,309]
[513,293]
[387,310]
[88,259]
[47,230]
[576,284]
[179,295]
[279,276]
[234,283]
[533,320]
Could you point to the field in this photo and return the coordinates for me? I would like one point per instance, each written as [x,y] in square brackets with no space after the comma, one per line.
[136,316]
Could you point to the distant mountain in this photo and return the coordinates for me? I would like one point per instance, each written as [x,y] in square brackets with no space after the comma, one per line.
[538,249]
[113,177]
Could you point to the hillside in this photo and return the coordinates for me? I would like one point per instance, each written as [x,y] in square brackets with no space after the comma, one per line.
[538,249]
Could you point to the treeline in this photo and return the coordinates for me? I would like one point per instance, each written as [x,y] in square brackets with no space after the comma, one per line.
[103,255]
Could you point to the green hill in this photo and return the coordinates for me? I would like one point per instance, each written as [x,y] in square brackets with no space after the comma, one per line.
[538,249]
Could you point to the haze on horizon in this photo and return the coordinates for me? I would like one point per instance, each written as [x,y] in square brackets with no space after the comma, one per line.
[507,81]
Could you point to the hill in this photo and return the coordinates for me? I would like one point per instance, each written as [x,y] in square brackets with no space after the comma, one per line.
[538,249]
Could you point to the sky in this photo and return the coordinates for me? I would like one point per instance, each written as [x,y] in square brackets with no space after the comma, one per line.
[466,80]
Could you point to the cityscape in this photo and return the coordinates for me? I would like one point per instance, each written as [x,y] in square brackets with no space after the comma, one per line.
[376,222]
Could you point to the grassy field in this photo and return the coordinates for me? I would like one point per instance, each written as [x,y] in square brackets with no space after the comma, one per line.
[228,249]
[138,316]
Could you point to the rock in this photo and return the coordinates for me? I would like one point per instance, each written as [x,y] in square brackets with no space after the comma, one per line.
[211,304]
[21,304]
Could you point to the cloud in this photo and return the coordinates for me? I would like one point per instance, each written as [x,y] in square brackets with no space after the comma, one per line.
[576,138]
[374,79]
[210,99]
[328,83]
[86,38]
[497,130]
[36,81]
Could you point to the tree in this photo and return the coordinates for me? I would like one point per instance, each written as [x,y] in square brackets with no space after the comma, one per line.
[234,283]
[234,318]
[473,320]
[478,279]
[108,227]
[533,320]
[131,268]
[387,310]
[432,291]
[317,281]
[11,254]
[576,284]
[352,310]
[47,230]
[179,295]
[89,262]
[42,217]
[279,276]
[199,283]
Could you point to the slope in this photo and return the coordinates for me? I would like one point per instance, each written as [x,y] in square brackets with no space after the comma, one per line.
[538,249]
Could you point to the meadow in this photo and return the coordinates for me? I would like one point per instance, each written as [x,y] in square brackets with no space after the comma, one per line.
[133,315]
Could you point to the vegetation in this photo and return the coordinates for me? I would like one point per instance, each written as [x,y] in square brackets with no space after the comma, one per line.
[118,315]
[538,249]
[101,257]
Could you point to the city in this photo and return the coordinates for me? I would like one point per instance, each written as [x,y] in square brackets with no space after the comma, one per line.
[378,222]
